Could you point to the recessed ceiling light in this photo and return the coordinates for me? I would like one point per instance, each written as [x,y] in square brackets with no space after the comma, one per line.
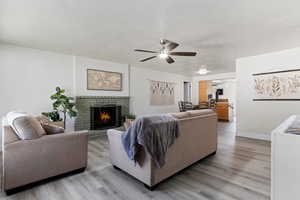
[217,81]
[203,70]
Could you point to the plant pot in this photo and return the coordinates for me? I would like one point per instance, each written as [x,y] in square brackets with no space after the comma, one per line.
[127,123]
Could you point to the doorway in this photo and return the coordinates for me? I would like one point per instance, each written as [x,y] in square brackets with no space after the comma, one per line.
[187,91]
[223,93]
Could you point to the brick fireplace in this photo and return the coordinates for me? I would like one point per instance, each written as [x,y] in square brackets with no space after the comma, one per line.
[99,113]
[105,117]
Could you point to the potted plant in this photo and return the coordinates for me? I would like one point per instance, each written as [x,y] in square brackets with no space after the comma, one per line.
[62,104]
[128,120]
[52,116]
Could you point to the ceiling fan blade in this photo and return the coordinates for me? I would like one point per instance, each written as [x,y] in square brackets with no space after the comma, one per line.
[169,60]
[147,51]
[172,45]
[148,58]
[183,53]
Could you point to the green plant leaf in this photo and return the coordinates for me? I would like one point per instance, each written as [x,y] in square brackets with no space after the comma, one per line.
[62,103]
[52,116]
[45,114]
[57,89]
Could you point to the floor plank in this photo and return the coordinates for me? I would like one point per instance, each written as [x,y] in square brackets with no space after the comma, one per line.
[239,170]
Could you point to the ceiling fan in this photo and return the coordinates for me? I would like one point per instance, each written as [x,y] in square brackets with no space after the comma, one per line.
[166,51]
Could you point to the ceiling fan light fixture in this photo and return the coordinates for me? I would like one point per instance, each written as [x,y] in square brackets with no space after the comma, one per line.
[166,52]
[163,55]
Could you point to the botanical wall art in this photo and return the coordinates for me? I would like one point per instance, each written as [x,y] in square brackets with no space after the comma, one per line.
[280,85]
[162,93]
[103,80]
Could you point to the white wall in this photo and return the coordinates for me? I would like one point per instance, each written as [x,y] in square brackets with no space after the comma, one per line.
[28,77]
[258,118]
[140,90]
[82,64]
[196,79]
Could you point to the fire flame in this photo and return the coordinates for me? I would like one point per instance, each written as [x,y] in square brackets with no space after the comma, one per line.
[104,116]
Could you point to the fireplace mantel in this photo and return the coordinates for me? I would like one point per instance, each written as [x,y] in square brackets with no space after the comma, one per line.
[84,103]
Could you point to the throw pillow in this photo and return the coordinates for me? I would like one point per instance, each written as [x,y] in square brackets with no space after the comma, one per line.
[11,116]
[42,119]
[52,129]
[27,127]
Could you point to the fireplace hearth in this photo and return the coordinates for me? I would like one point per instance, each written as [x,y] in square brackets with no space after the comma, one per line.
[105,117]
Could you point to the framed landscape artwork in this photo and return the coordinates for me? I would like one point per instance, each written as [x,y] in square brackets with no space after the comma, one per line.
[279,86]
[104,80]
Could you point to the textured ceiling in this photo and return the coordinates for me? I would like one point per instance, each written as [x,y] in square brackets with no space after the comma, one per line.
[220,31]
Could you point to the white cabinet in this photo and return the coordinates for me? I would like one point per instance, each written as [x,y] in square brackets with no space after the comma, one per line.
[285,163]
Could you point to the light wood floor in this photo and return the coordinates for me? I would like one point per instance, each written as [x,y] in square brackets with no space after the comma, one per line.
[239,170]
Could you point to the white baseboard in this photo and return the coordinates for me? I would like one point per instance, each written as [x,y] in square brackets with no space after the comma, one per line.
[254,135]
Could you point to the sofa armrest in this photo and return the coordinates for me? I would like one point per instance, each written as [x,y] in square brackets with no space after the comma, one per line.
[114,132]
[115,141]
[119,158]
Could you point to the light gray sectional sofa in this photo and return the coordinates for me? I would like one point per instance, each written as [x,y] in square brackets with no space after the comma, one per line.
[198,139]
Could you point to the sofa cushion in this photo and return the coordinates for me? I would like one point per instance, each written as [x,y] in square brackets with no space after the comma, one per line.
[43,119]
[52,129]
[194,113]
[180,115]
[11,116]
[28,127]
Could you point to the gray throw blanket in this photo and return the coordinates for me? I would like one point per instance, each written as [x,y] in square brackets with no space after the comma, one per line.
[155,133]
[294,128]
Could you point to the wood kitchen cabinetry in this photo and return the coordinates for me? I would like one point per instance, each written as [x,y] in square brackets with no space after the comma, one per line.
[222,107]
[222,110]
[204,90]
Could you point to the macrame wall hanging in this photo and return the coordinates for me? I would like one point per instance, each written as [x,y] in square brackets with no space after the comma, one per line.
[162,93]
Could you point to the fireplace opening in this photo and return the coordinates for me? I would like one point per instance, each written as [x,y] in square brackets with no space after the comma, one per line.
[105,117]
